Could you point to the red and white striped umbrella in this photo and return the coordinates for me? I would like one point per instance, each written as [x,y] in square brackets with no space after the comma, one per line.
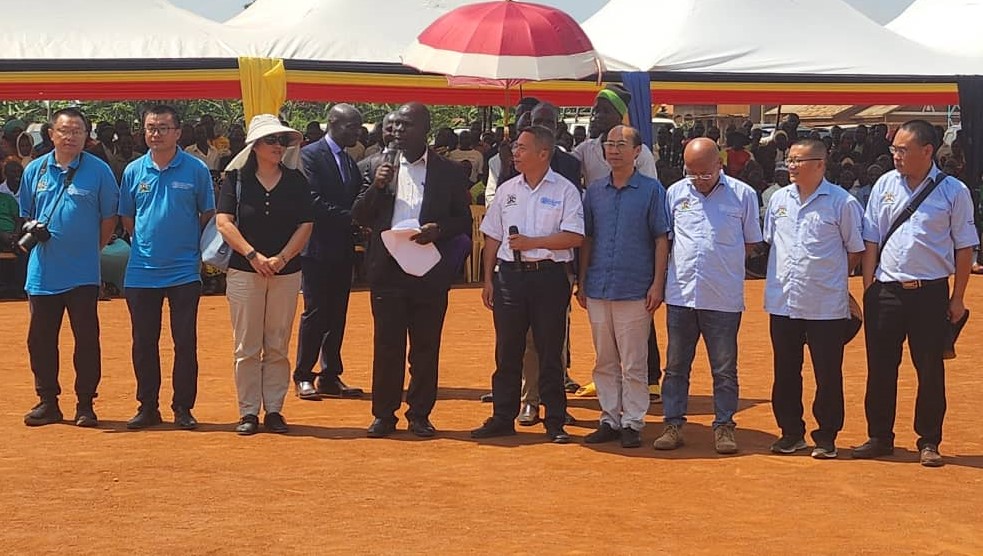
[504,43]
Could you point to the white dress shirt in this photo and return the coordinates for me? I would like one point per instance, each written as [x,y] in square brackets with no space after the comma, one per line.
[410,181]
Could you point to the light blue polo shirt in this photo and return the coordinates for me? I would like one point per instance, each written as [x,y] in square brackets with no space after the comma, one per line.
[922,248]
[166,205]
[810,239]
[71,257]
[706,263]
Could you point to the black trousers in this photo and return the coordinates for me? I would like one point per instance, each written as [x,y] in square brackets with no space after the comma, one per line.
[893,314]
[398,313]
[523,300]
[47,312]
[145,305]
[825,341]
[326,290]
[654,361]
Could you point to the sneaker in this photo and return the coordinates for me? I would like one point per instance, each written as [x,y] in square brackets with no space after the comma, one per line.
[44,413]
[274,423]
[85,416]
[930,457]
[723,439]
[672,438]
[789,445]
[824,450]
[655,393]
[604,433]
[630,438]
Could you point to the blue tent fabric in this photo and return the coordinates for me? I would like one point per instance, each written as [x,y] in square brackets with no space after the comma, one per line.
[639,84]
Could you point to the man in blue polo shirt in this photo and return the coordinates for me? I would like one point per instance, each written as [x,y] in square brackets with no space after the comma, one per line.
[74,195]
[166,198]
[623,275]
[713,219]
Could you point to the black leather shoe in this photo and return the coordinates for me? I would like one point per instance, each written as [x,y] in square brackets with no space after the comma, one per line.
[305,390]
[44,413]
[144,418]
[422,428]
[183,419]
[380,428]
[558,436]
[604,433]
[274,423]
[570,385]
[873,448]
[630,438]
[248,425]
[335,388]
[493,428]
[528,415]
[85,417]
[569,419]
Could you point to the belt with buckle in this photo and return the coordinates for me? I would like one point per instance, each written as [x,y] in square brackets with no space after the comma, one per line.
[915,284]
[527,266]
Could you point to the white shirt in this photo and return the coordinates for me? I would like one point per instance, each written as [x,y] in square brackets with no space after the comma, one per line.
[410,181]
[706,264]
[553,206]
[5,189]
[810,238]
[494,168]
[922,248]
[211,159]
[590,153]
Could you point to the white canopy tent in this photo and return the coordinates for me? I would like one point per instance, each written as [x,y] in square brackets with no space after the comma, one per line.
[951,26]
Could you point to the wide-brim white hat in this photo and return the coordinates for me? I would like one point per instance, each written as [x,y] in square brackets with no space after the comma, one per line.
[260,126]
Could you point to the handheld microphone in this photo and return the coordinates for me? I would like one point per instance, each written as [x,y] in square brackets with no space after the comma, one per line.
[391,156]
[516,254]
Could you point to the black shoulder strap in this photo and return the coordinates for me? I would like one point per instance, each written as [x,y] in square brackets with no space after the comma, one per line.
[910,210]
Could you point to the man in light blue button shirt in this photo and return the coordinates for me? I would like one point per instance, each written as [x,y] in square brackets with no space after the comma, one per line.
[713,218]
[814,228]
[906,280]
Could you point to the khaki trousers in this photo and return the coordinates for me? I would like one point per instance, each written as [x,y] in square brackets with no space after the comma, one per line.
[621,330]
[263,312]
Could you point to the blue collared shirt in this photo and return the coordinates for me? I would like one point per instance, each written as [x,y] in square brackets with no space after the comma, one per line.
[922,248]
[71,257]
[623,225]
[166,205]
[706,263]
[810,238]
[336,150]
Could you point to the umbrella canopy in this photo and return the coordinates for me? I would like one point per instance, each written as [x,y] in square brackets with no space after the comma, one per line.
[504,42]
[947,25]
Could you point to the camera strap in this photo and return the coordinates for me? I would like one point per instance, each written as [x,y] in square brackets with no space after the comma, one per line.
[69,179]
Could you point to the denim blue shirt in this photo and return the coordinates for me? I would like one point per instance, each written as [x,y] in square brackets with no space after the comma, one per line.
[922,248]
[166,205]
[623,225]
[71,257]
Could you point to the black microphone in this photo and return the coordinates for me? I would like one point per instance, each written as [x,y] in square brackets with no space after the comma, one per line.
[516,254]
[391,156]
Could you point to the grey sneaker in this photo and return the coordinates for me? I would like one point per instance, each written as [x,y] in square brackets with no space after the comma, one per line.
[671,438]
[789,445]
[723,439]
[824,450]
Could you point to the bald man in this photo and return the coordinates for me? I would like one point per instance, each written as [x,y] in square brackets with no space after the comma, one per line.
[713,219]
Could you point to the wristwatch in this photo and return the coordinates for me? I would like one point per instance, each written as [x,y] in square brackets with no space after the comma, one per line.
[251,255]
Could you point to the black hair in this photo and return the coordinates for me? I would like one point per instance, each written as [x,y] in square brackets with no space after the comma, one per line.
[70,112]
[162,109]
[815,146]
[545,137]
[923,131]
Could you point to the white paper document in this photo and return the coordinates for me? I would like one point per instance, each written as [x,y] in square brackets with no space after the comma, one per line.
[413,258]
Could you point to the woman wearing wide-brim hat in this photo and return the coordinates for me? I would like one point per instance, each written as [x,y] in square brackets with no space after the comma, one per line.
[267,224]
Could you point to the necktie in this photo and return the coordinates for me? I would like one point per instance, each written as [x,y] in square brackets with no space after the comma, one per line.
[344,165]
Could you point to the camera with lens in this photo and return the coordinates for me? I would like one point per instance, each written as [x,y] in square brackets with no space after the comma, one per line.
[34,233]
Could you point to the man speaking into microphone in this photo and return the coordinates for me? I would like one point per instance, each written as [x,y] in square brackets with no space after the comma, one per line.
[526,283]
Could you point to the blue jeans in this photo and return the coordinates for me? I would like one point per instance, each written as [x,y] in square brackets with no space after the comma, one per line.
[719,331]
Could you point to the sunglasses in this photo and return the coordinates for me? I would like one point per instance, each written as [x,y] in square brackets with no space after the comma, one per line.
[285,139]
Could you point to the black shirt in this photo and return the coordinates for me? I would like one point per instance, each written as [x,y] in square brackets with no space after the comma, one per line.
[268,219]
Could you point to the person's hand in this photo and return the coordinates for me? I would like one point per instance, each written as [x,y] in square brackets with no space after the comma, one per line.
[956,310]
[488,294]
[581,297]
[519,242]
[261,265]
[276,263]
[428,234]
[383,176]
[653,298]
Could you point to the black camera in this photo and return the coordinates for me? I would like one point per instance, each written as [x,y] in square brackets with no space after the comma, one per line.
[34,233]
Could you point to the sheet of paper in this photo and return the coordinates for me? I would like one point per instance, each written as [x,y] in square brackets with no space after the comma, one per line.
[413,258]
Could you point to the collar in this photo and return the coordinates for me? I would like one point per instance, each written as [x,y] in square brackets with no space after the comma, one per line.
[823,189]
[721,180]
[423,159]
[550,177]
[335,147]
[54,164]
[148,161]
[633,180]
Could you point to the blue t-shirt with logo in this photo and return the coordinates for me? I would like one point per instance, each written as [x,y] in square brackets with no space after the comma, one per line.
[74,217]
[166,205]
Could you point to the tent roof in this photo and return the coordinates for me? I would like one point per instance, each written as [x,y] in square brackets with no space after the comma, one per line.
[800,38]
[951,26]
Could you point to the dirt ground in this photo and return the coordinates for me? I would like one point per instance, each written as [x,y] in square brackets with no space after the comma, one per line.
[325,488]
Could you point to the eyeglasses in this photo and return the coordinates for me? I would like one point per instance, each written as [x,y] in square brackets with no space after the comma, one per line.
[155,130]
[700,177]
[898,151]
[617,145]
[70,132]
[798,161]
[285,139]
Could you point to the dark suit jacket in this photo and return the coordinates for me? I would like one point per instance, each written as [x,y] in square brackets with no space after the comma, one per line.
[446,202]
[332,238]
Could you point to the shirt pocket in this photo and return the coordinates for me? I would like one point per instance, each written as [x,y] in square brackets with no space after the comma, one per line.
[549,216]
[80,196]
[730,226]
[933,217]
[819,228]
